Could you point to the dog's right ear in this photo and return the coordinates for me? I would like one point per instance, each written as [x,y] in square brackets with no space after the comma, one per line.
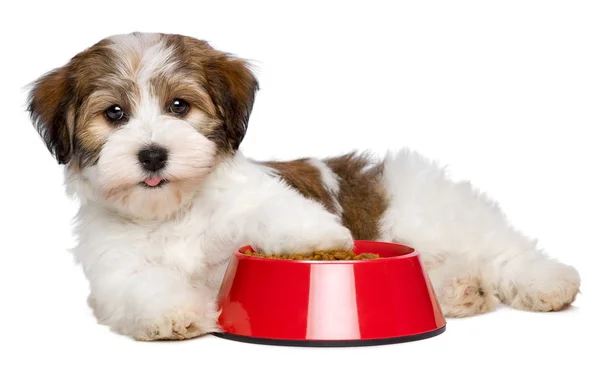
[48,105]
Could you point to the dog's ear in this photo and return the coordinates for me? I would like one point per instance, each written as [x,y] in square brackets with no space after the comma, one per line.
[232,86]
[47,105]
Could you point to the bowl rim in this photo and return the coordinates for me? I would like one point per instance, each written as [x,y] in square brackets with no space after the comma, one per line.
[411,254]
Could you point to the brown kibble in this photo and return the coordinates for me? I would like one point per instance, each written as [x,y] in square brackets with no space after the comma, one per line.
[340,255]
[369,256]
[320,255]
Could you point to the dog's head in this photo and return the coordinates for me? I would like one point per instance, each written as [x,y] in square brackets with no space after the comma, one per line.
[142,119]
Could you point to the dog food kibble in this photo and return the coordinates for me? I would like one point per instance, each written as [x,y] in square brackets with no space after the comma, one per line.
[332,255]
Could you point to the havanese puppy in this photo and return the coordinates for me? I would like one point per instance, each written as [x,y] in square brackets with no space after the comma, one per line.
[148,127]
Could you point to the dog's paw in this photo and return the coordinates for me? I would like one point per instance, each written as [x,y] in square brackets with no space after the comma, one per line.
[466,296]
[331,236]
[553,288]
[328,235]
[177,324]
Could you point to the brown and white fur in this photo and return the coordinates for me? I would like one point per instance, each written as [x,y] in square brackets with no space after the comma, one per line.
[155,232]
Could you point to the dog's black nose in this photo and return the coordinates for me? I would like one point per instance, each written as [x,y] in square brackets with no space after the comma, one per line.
[153,158]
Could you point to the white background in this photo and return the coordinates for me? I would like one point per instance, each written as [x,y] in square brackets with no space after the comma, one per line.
[506,93]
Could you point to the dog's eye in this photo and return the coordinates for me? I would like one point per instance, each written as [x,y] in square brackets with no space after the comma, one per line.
[114,113]
[179,107]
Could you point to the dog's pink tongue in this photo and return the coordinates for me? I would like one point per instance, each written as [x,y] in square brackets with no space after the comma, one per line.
[152,182]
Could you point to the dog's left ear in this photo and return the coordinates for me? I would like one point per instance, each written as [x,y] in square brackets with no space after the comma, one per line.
[47,106]
[232,86]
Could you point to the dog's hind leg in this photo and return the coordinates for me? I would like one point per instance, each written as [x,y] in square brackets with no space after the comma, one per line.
[467,244]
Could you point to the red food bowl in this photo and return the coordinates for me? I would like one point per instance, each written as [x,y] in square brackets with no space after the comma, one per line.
[329,303]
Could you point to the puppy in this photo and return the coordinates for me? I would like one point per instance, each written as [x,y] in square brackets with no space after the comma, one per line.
[148,128]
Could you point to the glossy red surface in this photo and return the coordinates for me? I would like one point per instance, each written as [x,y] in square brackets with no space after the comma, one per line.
[329,300]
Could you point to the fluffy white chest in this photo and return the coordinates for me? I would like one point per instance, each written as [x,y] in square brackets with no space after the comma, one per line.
[192,244]
[178,245]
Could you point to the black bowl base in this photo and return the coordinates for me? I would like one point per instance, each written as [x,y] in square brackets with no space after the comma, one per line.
[331,343]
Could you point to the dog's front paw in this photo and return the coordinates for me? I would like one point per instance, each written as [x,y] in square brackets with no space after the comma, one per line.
[322,236]
[332,237]
[177,324]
